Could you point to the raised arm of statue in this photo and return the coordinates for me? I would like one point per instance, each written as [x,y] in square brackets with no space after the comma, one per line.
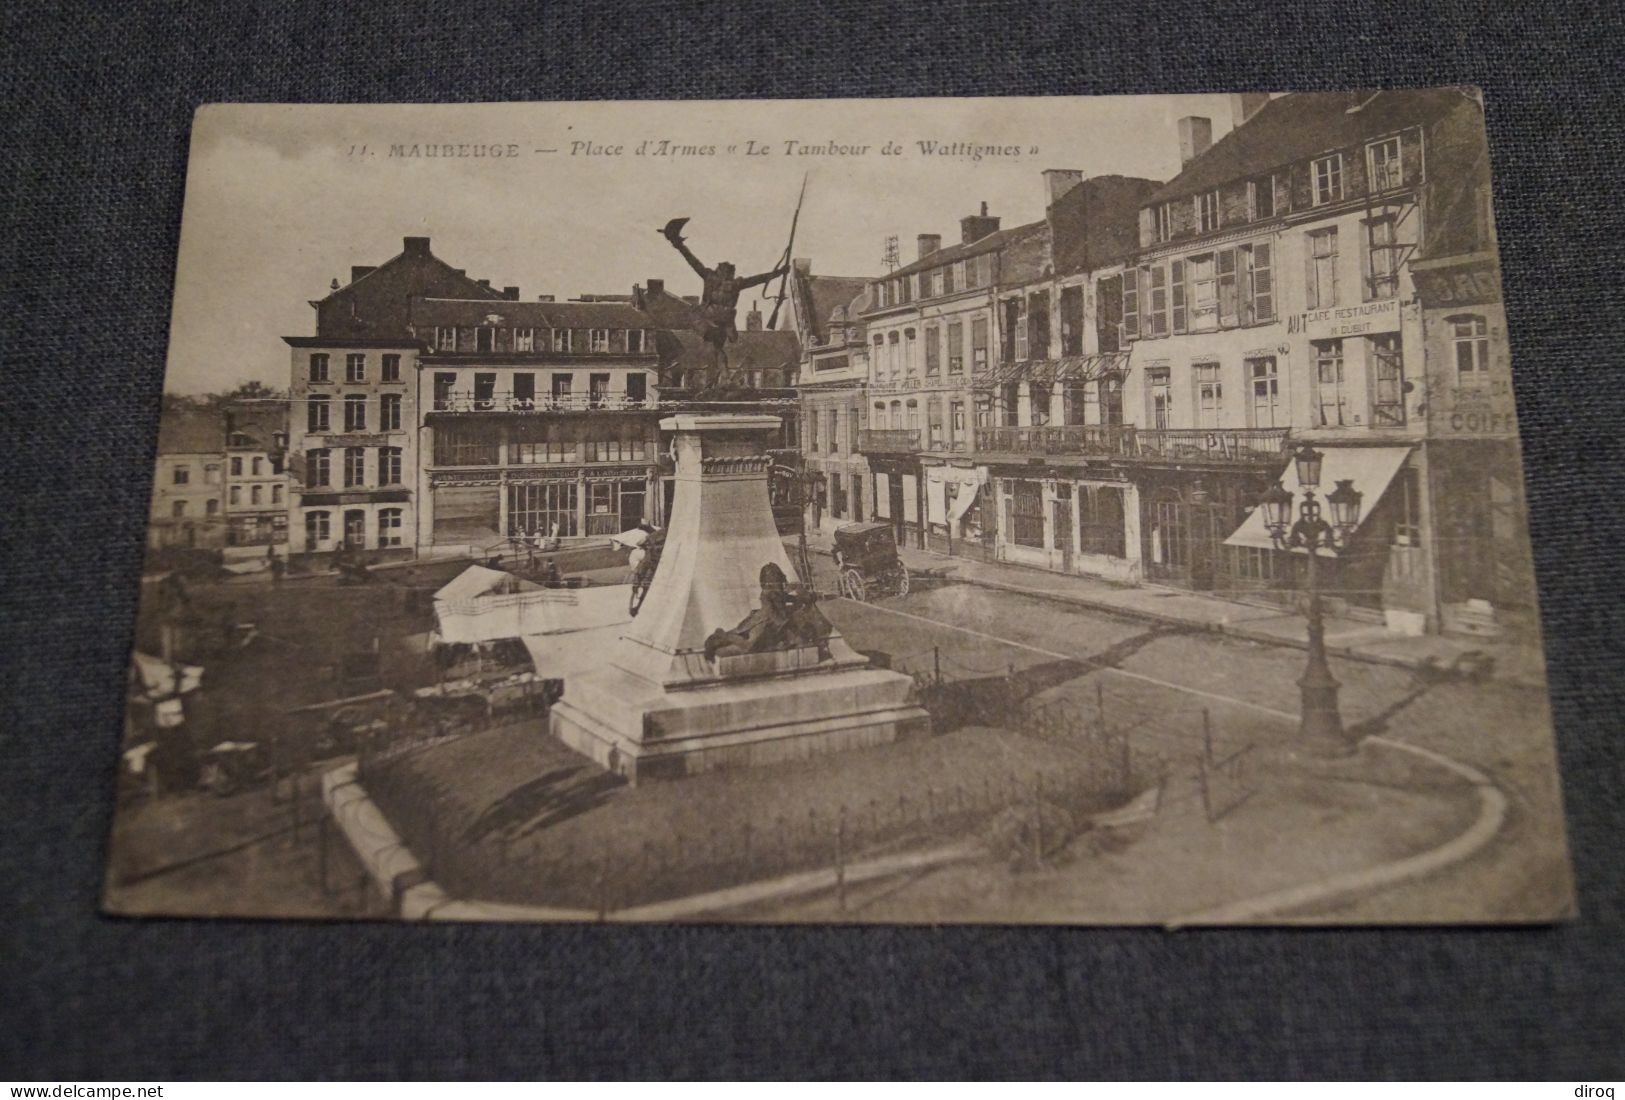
[764,277]
[674,233]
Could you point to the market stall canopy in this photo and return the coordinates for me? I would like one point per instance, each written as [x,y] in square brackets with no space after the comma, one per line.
[1371,469]
[477,581]
[633,538]
[534,611]
[160,679]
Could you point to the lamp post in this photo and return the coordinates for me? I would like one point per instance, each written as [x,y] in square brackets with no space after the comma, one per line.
[1320,723]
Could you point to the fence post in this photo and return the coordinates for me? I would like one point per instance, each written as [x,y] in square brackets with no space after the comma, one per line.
[1038,818]
[1207,735]
[936,663]
[840,859]
[1202,782]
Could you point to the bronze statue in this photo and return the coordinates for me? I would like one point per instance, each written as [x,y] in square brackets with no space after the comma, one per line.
[788,618]
[720,296]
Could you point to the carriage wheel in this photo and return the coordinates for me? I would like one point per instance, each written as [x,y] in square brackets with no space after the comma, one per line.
[902,579]
[636,600]
[852,586]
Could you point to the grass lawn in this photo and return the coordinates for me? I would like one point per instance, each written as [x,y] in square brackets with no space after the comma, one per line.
[511,815]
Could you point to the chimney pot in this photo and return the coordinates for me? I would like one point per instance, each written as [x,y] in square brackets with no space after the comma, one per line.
[416,246]
[544,298]
[1195,136]
[753,320]
[486,283]
[973,227]
[511,293]
[802,265]
[929,243]
[657,286]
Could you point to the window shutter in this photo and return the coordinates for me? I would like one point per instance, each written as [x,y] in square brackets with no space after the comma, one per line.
[1131,304]
[1176,289]
[1225,265]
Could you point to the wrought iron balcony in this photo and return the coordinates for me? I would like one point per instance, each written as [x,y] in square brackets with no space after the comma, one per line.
[1212,444]
[467,401]
[1057,439]
[889,440]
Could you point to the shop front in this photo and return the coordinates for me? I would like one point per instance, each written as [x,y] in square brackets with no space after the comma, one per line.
[1081,520]
[957,512]
[899,498]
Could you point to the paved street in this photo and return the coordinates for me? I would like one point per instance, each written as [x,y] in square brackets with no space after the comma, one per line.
[1158,681]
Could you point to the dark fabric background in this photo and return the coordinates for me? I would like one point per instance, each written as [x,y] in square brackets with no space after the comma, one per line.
[98,100]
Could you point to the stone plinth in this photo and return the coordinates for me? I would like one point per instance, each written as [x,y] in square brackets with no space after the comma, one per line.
[658,707]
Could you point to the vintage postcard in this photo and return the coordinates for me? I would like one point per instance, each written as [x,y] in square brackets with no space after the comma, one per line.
[1064,510]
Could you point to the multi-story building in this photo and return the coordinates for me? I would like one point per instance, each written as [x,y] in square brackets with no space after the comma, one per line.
[353,393]
[1482,558]
[1272,295]
[931,328]
[537,418]
[256,481]
[187,484]
[826,314]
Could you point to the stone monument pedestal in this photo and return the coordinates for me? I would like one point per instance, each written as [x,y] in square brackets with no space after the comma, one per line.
[658,708]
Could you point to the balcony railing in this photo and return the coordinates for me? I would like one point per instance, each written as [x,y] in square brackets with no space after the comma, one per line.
[1194,444]
[466,401]
[889,440]
[1057,439]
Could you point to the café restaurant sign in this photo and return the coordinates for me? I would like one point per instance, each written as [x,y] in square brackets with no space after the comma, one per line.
[1338,321]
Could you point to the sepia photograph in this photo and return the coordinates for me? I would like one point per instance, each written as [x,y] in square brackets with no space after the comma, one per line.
[1057,510]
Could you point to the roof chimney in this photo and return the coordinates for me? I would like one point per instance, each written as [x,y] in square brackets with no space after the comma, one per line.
[511,293]
[1195,135]
[1244,105]
[1058,181]
[929,243]
[657,286]
[974,227]
[545,298]
[357,271]
[753,320]
[415,246]
[802,265]
[486,283]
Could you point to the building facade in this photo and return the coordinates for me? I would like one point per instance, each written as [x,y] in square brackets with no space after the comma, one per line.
[186,509]
[826,314]
[256,481]
[538,419]
[353,405]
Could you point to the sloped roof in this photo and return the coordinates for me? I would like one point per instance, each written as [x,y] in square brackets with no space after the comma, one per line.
[191,431]
[667,310]
[462,311]
[259,421]
[1003,238]
[408,255]
[823,293]
[766,349]
[1300,125]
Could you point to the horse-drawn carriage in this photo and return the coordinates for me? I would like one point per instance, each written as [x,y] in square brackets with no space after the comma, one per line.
[866,555]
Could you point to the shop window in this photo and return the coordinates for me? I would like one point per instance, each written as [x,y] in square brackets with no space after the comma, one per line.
[1027,514]
[318,528]
[1330,393]
[355,528]
[465,445]
[1100,520]
[1407,495]
[1252,563]
[545,508]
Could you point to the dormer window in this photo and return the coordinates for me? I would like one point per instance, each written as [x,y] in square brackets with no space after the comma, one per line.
[1328,177]
[1207,212]
[1384,166]
[1165,221]
[524,339]
[600,339]
[445,337]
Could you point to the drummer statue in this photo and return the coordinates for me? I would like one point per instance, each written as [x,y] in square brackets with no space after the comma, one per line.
[719,298]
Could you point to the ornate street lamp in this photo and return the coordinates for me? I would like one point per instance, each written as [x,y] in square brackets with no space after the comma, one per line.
[1320,723]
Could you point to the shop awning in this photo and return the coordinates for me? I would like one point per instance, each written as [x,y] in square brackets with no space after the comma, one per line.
[1370,468]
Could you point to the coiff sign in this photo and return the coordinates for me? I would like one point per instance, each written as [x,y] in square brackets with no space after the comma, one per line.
[1360,320]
